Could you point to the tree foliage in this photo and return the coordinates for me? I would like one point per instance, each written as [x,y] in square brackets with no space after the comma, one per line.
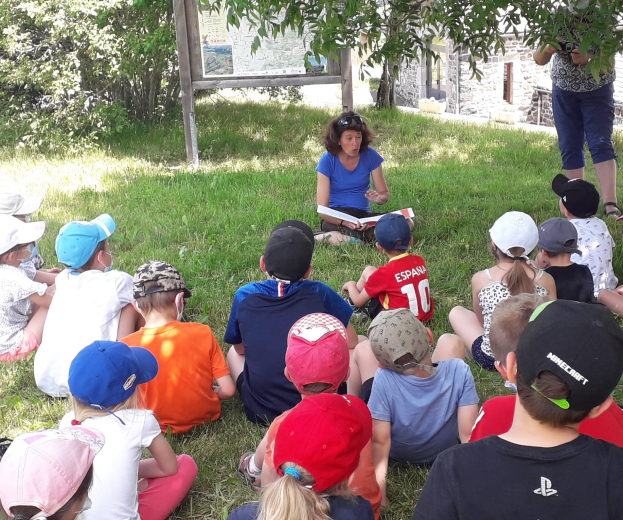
[399,31]
[74,69]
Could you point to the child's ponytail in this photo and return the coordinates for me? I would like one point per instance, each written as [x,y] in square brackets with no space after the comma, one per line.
[293,498]
[517,280]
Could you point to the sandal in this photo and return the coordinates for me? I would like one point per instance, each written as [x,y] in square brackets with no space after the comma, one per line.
[614,212]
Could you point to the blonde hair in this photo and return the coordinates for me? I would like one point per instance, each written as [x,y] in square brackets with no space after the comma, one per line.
[290,498]
[509,319]
[517,280]
[82,412]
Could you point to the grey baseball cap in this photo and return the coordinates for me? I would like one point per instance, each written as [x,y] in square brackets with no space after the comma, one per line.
[555,233]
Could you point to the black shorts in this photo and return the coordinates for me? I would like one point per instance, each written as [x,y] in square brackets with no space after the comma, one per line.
[366,236]
[366,390]
[239,382]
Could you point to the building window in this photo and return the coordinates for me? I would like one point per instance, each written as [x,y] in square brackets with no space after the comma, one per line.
[436,72]
[508,83]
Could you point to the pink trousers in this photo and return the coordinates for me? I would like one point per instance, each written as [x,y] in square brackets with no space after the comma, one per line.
[164,494]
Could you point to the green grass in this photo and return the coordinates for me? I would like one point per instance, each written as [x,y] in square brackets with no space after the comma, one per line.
[257,169]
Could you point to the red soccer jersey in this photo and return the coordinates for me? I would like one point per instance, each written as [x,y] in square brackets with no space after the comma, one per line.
[496,418]
[403,283]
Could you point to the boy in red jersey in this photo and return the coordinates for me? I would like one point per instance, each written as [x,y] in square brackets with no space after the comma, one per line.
[402,282]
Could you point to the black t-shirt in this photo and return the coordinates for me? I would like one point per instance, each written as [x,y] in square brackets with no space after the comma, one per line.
[341,509]
[573,282]
[492,479]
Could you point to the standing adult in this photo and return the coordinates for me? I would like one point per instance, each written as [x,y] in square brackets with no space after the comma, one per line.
[583,110]
[344,173]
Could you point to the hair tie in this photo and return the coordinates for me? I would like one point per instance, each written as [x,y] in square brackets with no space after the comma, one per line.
[294,472]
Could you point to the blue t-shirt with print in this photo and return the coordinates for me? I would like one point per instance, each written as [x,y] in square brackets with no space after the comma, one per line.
[348,188]
[261,317]
[422,410]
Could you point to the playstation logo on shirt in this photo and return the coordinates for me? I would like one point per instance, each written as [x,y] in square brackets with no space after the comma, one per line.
[546,488]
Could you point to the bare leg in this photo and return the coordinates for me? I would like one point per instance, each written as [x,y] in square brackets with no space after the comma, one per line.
[449,346]
[465,325]
[260,452]
[363,366]
[335,238]
[37,321]
[611,299]
[367,272]
[129,321]
[606,173]
[235,362]
[577,173]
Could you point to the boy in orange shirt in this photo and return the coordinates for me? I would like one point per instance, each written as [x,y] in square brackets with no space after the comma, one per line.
[182,395]
[317,362]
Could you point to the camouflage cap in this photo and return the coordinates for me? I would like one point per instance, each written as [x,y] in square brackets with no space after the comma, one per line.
[396,332]
[168,278]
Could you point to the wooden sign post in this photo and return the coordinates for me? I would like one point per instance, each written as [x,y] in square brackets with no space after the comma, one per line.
[188,39]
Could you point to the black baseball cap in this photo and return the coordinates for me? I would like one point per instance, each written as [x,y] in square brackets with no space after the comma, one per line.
[555,232]
[580,197]
[289,251]
[579,342]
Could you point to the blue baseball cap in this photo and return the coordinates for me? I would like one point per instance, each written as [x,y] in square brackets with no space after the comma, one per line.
[107,373]
[76,242]
[392,228]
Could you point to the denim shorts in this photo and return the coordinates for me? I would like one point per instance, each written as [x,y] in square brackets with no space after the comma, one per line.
[580,117]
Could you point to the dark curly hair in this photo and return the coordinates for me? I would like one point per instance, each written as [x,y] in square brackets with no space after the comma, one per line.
[331,139]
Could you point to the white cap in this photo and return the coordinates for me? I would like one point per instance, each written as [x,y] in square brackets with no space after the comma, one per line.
[13,231]
[515,229]
[15,204]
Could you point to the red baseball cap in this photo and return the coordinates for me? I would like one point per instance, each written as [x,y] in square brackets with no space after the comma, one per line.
[317,351]
[324,434]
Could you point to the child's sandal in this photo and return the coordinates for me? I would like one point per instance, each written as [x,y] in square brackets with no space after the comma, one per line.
[613,212]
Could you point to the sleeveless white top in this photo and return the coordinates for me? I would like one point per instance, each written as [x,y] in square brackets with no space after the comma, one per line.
[492,294]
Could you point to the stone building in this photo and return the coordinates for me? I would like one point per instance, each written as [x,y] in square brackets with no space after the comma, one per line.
[511,83]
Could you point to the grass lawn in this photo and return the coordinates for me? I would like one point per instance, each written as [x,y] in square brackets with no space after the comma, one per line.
[258,165]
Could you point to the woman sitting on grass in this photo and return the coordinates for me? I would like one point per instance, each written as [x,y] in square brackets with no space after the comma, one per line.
[344,172]
[513,237]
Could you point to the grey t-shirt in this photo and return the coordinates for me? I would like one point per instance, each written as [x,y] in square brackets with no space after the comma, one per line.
[15,287]
[422,411]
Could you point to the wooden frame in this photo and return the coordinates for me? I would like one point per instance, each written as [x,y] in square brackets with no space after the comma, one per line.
[508,87]
[188,41]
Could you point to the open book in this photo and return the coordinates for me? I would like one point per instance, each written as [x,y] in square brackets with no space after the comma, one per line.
[323,210]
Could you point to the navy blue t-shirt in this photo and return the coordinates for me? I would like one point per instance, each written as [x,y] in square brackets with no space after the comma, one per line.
[341,509]
[261,317]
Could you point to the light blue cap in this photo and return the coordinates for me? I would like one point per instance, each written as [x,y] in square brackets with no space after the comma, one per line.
[76,242]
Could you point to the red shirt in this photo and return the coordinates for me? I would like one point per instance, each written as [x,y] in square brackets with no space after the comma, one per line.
[403,283]
[496,418]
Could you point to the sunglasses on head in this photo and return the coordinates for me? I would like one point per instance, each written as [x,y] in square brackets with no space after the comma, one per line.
[349,120]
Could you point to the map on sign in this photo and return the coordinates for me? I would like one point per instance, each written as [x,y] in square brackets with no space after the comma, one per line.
[216,45]
[228,52]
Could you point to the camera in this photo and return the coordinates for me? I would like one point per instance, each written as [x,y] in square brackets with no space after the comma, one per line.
[566,47]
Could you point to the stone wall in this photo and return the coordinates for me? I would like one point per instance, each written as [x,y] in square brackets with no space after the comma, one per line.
[408,85]
[452,83]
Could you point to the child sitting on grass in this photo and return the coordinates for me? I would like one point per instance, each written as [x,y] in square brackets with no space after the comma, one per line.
[579,201]
[317,447]
[182,395]
[263,313]
[23,302]
[513,237]
[420,405]
[558,240]
[569,361]
[92,302]
[21,208]
[509,320]
[402,282]
[103,381]
[317,362]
